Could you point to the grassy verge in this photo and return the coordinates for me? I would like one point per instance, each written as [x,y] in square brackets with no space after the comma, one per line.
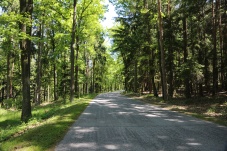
[47,127]
[212,109]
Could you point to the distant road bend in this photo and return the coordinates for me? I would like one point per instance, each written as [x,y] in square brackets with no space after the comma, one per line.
[115,122]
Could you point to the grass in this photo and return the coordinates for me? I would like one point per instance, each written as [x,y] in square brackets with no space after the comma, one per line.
[212,109]
[47,127]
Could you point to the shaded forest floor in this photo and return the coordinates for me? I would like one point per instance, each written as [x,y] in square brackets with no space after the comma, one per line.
[212,109]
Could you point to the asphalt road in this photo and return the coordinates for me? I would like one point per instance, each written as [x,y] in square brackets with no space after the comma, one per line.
[115,122]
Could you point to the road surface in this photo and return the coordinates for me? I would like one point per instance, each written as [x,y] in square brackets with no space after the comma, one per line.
[115,122]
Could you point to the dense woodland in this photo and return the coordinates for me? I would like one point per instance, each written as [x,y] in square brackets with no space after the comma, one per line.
[173,47]
[55,49]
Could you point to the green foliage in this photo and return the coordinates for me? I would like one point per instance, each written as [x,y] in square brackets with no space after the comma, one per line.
[188,48]
[48,125]
[51,29]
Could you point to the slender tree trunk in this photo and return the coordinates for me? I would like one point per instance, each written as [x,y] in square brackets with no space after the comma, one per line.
[87,75]
[152,73]
[225,47]
[187,77]
[72,56]
[10,68]
[26,8]
[55,68]
[77,67]
[170,51]
[93,77]
[215,70]
[200,32]
[55,83]
[135,76]
[164,82]
[2,92]
[39,68]
[8,76]
[221,48]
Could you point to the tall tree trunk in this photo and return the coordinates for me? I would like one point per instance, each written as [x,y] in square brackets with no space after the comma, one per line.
[72,56]
[39,67]
[10,68]
[187,77]
[55,68]
[26,8]
[221,47]
[152,72]
[163,73]
[87,75]
[225,46]
[55,83]
[2,92]
[215,70]
[8,76]
[93,77]
[170,51]
[77,67]
[206,67]
[135,76]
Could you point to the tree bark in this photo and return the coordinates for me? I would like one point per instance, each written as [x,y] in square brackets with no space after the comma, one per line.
[26,8]
[77,68]
[55,68]
[187,76]
[215,70]
[163,73]
[10,68]
[39,68]
[170,51]
[135,76]
[72,55]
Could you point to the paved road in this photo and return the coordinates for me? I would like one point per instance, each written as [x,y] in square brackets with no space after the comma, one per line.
[115,122]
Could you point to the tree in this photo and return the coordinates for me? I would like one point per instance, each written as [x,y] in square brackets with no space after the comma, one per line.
[26,8]
[163,71]
[72,56]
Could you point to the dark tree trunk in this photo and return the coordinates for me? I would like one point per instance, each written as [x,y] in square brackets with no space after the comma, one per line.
[55,68]
[221,48]
[225,52]
[39,68]
[215,70]
[72,55]
[26,8]
[10,68]
[93,77]
[163,72]
[77,68]
[200,55]
[187,76]
[2,92]
[135,77]
[170,52]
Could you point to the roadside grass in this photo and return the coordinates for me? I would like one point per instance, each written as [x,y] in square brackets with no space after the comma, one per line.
[48,125]
[213,109]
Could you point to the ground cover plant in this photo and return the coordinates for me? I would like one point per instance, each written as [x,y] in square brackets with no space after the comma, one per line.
[44,130]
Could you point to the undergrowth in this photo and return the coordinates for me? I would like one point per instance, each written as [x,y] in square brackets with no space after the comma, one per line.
[45,129]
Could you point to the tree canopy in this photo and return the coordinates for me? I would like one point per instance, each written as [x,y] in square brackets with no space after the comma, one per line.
[172,47]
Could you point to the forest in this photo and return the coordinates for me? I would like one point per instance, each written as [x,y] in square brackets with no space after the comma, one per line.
[54,50]
[172,47]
